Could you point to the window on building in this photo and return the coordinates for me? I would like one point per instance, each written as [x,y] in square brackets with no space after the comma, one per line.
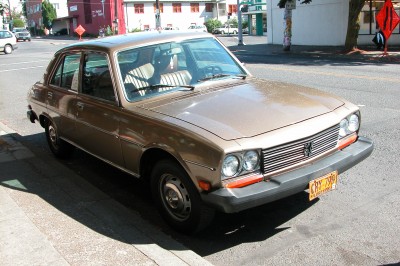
[176,7]
[87,9]
[56,5]
[209,7]
[368,24]
[232,9]
[139,8]
[160,6]
[194,7]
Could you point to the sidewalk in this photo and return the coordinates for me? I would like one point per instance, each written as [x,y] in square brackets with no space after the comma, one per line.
[51,216]
[257,46]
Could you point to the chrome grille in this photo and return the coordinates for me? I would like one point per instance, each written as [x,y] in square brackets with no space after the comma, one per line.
[287,155]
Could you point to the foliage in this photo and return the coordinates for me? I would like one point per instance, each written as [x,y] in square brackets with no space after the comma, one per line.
[24,9]
[212,24]
[18,23]
[16,14]
[245,24]
[134,30]
[282,3]
[233,22]
[3,9]
[48,14]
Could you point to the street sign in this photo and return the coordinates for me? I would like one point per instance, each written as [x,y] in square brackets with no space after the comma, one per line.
[80,30]
[387,19]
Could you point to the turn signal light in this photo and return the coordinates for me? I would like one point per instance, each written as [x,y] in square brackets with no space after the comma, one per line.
[343,143]
[204,185]
[245,181]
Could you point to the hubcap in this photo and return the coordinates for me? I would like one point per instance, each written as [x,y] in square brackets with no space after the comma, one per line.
[175,197]
[53,135]
[8,49]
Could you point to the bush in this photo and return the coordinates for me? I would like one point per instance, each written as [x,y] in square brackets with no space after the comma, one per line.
[18,23]
[212,24]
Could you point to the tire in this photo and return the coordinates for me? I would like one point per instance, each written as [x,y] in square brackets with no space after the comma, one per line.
[177,199]
[8,49]
[60,148]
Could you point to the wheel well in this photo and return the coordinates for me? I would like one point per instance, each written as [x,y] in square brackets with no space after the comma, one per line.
[150,158]
[43,120]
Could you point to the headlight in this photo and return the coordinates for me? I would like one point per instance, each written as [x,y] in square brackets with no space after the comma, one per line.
[354,123]
[250,160]
[230,166]
[349,125]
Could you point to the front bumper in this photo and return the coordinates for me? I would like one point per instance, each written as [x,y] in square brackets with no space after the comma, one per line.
[287,184]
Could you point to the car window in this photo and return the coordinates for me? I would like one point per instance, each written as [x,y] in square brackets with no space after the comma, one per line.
[5,34]
[166,67]
[67,73]
[96,77]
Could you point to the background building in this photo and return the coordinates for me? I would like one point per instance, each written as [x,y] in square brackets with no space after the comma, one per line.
[324,22]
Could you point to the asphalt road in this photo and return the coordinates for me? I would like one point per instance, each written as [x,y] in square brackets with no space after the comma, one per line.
[357,224]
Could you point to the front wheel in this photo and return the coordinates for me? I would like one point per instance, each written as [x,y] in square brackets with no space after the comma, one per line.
[59,147]
[177,198]
[8,49]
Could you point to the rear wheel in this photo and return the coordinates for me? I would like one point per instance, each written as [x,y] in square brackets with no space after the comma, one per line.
[177,198]
[8,49]
[59,147]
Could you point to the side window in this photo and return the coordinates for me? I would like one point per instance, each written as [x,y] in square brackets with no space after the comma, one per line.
[96,78]
[67,74]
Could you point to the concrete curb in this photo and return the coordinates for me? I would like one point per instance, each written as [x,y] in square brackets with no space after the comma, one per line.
[49,215]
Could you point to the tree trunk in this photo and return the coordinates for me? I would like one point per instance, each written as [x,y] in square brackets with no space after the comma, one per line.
[353,26]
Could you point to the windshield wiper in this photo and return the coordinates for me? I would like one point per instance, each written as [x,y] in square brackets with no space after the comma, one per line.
[220,75]
[158,86]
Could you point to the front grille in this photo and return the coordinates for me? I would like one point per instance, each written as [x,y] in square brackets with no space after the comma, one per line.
[290,154]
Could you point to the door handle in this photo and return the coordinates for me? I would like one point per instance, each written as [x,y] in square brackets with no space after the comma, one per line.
[80,105]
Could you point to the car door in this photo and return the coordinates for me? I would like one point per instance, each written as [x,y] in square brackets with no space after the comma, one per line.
[61,95]
[98,112]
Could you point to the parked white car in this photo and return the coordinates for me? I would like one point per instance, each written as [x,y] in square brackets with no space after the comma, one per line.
[227,29]
[8,42]
[198,28]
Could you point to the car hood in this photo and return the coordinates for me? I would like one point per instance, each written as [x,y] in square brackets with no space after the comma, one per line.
[241,109]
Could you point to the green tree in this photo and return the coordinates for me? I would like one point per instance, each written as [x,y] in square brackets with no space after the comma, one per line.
[353,26]
[48,13]
[16,14]
[212,24]
[18,23]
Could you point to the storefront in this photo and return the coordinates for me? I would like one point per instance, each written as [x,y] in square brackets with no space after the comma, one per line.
[256,12]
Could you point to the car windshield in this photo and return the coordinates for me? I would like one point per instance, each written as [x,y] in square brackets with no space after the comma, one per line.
[163,68]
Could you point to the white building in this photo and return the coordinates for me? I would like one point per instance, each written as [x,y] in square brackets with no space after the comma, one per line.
[324,22]
[140,14]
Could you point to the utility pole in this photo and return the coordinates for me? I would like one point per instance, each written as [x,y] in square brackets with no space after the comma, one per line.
[240,34]
[158,19]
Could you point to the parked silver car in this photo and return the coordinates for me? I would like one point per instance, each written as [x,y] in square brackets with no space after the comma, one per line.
[22,34]
[8,42]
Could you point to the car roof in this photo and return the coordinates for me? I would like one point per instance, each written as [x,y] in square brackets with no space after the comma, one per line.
[119,42]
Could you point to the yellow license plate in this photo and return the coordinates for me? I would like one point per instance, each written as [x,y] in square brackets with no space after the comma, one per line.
[322,185]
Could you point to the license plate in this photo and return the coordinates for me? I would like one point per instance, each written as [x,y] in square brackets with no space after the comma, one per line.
[322,185]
